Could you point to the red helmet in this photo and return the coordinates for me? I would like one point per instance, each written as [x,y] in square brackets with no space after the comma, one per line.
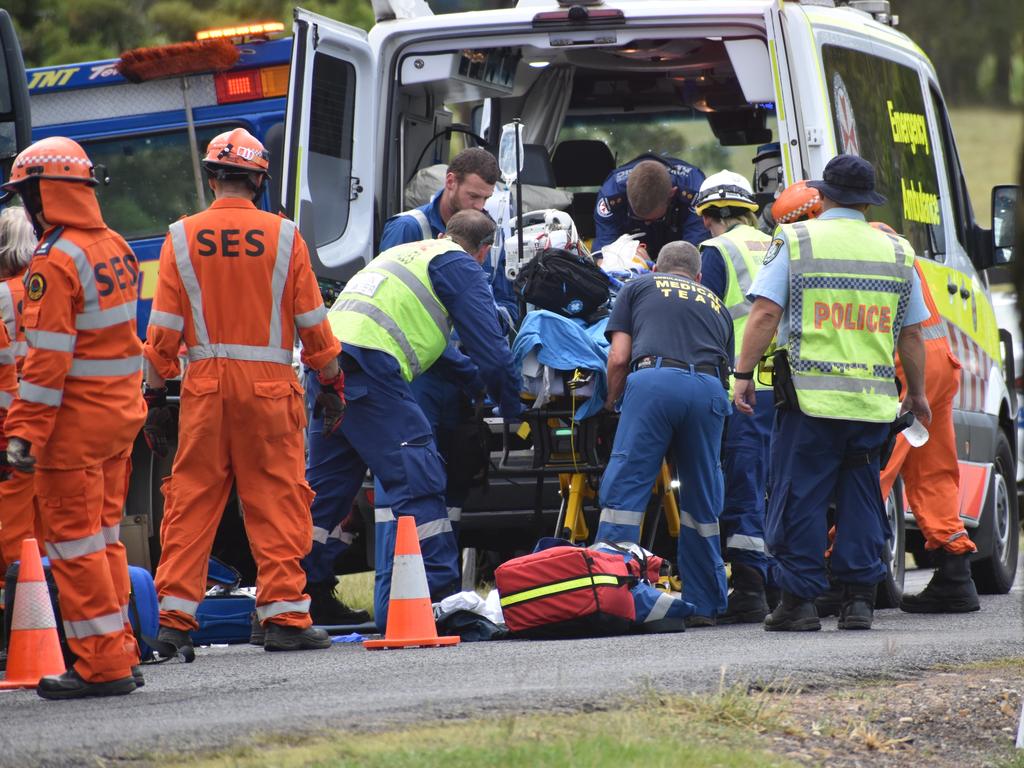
[881,226]
[796,203]
[236,150]
[56,158]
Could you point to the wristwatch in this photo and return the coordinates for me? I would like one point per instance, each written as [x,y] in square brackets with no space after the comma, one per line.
[748,376]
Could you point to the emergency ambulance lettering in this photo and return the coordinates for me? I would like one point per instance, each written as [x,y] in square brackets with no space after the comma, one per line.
[908,128]
[853,317]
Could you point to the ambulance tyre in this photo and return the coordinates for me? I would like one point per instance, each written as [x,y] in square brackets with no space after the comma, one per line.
[999,528]
[891,589]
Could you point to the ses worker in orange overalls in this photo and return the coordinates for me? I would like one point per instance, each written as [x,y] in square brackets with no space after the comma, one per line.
[19,514]
[930,473]
[236,283]
[79,409]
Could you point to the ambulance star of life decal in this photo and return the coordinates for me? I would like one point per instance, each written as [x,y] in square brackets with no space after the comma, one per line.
[773,250]
[36,286]
[848,139]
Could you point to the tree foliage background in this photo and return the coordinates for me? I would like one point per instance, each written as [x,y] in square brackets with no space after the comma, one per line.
[977,46]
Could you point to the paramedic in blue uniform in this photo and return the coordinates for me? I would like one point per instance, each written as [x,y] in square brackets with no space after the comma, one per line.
[444,391]
[650,196]
[671,352]
[384,428]
[832,421]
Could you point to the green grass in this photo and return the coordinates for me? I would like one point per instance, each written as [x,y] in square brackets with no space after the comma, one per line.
[716,730]
[356,590]
[989,141]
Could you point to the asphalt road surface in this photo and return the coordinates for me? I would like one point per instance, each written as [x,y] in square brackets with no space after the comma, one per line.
[232,692]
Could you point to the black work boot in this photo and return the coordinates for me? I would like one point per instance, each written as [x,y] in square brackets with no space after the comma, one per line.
[858,609]
[171,642]
[793,614]
[70,685]
[281,638]
[830,603]
[747,602]
[258,633]
[328,610]
[951,589]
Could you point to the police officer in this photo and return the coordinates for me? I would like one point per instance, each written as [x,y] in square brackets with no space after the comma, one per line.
[729,262]
[854,297]
[236,286]
[79,409]
[671,349]
[650,195]
[393,320]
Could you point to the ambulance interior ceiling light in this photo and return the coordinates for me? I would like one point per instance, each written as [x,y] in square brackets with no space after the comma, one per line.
[244,31]
[538,64]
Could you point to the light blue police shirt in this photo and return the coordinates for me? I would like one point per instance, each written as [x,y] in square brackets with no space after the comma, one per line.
[772,281]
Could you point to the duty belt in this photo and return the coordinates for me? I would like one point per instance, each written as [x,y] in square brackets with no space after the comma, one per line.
[652,361]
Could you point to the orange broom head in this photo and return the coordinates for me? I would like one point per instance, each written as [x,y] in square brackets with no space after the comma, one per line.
[141,64]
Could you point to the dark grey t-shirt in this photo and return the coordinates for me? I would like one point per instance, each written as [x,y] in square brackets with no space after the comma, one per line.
[676,317]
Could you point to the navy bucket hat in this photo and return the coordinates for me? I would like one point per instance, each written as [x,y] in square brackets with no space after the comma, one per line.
[849,180]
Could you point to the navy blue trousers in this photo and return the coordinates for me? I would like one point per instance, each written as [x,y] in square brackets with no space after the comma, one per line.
[807,470]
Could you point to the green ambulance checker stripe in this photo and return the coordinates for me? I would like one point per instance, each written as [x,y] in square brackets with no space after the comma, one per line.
[597,580]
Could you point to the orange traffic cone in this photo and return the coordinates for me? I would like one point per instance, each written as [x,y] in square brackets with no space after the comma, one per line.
[34,647]
[410,616]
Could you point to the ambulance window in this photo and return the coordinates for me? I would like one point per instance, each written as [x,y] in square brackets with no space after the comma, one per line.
[879,113]
[151,179]
[329,166]
[957,185]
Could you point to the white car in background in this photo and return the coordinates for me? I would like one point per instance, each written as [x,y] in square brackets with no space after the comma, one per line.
[1008,316]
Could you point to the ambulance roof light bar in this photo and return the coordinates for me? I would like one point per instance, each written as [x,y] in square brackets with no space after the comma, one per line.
[242,32]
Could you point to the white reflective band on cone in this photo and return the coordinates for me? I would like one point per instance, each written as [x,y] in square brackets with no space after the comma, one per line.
[409,578]
[32,608]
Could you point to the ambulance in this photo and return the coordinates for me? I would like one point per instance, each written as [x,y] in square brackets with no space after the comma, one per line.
[713,83]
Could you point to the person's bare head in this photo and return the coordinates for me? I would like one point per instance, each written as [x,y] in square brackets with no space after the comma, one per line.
[17,241]
[469,181]
[473,231]
[679,258]
[649,190]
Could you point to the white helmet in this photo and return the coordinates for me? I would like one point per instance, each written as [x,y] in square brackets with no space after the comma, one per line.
[725,189]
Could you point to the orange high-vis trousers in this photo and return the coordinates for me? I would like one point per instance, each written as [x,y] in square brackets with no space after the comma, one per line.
[81,514]
[19,518]
[930,473]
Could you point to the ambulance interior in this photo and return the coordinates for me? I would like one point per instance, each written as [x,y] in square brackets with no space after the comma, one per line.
[704,98]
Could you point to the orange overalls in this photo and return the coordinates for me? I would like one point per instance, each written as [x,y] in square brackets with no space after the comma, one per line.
[236,283]
[19,513]
[80,407]
[931,473]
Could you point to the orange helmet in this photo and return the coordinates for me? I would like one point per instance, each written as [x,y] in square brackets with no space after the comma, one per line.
[796,203]
[56,158]
[881,226]
[236,150]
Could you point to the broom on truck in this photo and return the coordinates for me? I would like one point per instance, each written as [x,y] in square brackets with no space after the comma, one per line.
[180,60]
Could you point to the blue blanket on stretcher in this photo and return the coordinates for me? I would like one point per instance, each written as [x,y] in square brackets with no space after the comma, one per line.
[564,344]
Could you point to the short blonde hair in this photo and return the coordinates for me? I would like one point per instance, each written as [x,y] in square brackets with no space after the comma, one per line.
[17,241]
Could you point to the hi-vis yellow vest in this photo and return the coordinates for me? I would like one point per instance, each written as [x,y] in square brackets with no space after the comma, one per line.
[849,289]
[744,248]
[390,305]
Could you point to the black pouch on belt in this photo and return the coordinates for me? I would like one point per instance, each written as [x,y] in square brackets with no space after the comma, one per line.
[782,383]
[902,422]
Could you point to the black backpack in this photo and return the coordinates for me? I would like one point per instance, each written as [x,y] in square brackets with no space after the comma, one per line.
[566,283]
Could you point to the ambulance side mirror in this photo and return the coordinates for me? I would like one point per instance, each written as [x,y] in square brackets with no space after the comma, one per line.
[1006,203]
[15,116]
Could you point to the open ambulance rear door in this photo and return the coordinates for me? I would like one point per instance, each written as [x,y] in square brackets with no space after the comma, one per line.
[327,184]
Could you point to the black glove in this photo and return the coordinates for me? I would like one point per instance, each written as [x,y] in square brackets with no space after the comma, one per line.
[159,421]
[5,469]
[18,455]
[330,403]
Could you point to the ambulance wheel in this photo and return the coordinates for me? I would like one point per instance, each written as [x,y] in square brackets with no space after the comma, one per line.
[891,589]
[994,575]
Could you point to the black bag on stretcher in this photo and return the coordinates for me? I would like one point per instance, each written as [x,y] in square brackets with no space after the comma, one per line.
[565,283]
[565,592]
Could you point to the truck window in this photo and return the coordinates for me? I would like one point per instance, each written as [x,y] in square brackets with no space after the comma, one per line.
[878,111]
[957,184]
[330,145]
[151,181]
